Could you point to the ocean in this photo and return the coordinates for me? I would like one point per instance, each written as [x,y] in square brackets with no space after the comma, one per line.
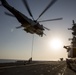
[7,60]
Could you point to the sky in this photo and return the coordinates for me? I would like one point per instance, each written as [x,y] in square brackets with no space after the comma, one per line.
[17,44]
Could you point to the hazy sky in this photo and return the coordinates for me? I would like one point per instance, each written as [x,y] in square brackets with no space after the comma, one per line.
[17,44]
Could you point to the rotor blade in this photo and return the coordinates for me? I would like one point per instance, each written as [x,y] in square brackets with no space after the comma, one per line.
[51,20]
[50,4]
[27,7]
[0,3]
[18,27]
[9,14]
[46,28]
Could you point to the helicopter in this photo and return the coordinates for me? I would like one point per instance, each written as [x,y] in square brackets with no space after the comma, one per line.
[30,25]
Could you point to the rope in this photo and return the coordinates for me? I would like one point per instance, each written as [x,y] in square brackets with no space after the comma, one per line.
[32,46]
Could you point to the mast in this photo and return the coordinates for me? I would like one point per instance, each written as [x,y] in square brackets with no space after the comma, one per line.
[72,48]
